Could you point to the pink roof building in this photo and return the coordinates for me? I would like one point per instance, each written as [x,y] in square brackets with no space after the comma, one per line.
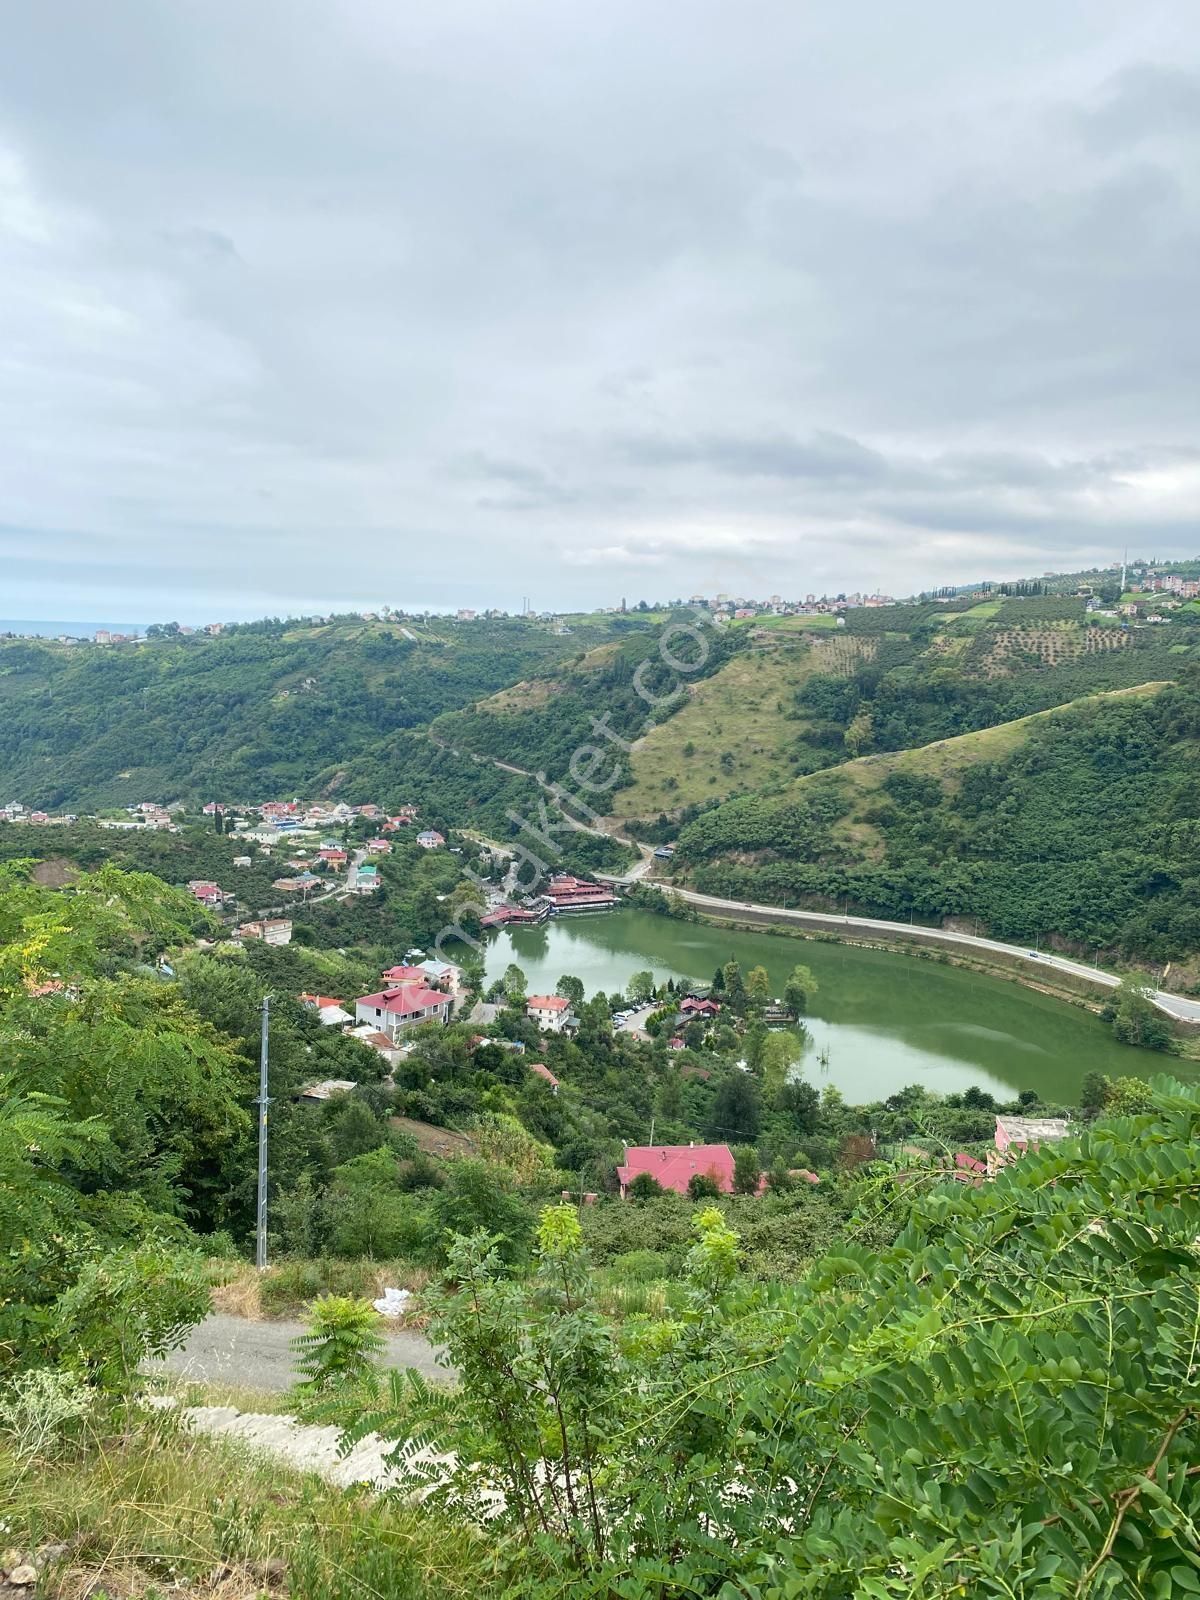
[396,976]
[391,1010]
[675,1165]
[692,1007]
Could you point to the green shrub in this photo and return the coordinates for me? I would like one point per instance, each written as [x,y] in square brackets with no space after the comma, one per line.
[341,1346]
[641,1266]
[293,1284]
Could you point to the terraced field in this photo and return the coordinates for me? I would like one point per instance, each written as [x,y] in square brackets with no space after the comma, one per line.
[1009,649]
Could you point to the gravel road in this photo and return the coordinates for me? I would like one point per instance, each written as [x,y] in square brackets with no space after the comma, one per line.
[258,1355]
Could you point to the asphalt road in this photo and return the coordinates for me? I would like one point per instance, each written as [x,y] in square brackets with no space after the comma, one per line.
[258,1355]
[1174,1005]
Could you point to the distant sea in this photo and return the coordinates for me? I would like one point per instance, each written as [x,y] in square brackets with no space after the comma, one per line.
[79,630]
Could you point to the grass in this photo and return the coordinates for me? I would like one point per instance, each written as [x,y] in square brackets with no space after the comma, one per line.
[288,1289]
[143,1508]
[944,760]
[819,622]
[741,710]
[533,693]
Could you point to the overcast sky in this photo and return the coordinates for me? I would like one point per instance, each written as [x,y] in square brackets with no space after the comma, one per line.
[306,305]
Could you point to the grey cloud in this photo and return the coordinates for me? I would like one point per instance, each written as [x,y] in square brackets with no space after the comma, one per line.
[1144,101]
[599,297]
[828,456]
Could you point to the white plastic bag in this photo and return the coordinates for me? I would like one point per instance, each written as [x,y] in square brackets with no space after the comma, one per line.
[394,1302]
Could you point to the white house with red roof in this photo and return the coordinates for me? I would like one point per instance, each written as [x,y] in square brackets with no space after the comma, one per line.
[406,1006]
[550,1012]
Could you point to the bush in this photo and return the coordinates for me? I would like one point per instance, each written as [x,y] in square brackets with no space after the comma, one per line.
[39,1408]
[294,1284]
[126,1307]
[340,1348]
[641,1266]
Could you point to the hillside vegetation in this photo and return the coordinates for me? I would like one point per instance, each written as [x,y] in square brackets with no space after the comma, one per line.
[257,712]
[1079,823]
[738,730]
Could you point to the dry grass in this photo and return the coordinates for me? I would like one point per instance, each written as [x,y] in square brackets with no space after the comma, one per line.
[289,1289]
[148,1508]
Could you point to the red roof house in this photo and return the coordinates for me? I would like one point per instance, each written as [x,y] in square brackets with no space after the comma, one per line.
[674,1165]
[543,1071]
[391,1010]
[691,1007]
[396,976]
[549,1011]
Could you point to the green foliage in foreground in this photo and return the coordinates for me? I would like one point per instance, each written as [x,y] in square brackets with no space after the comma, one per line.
[1004,1402]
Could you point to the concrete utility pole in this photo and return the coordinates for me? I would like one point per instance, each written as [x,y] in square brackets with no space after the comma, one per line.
[263,1101]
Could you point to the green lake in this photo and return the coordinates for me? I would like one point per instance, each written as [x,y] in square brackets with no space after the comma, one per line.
[878,1021]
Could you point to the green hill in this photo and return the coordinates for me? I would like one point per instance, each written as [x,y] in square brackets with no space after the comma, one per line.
[261,710]
[1081,823]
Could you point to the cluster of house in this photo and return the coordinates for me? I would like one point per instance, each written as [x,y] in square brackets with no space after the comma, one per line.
[211,894]
[1013,1136]
[147,814]
[728,607]
[277,818]
[14,811]
[563,896]
[415,991]
[271,930]
[673,1166]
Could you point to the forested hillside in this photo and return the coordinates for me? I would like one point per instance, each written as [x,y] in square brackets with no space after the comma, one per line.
[261,710]
[1080,823]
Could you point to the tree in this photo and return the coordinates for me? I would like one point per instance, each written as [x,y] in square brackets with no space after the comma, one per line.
[641,987]
[515,984]
[758,985]
[477,1199]
[1093,1093]
[736,1112]
[703,1186]
[799,989]
[570,988]
[734,987]
[856,1150]
[645,1186]
[747,1169]
[1127,1097]
[951,1414]
[1137,1020]
[352,1129]
[780,1053]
